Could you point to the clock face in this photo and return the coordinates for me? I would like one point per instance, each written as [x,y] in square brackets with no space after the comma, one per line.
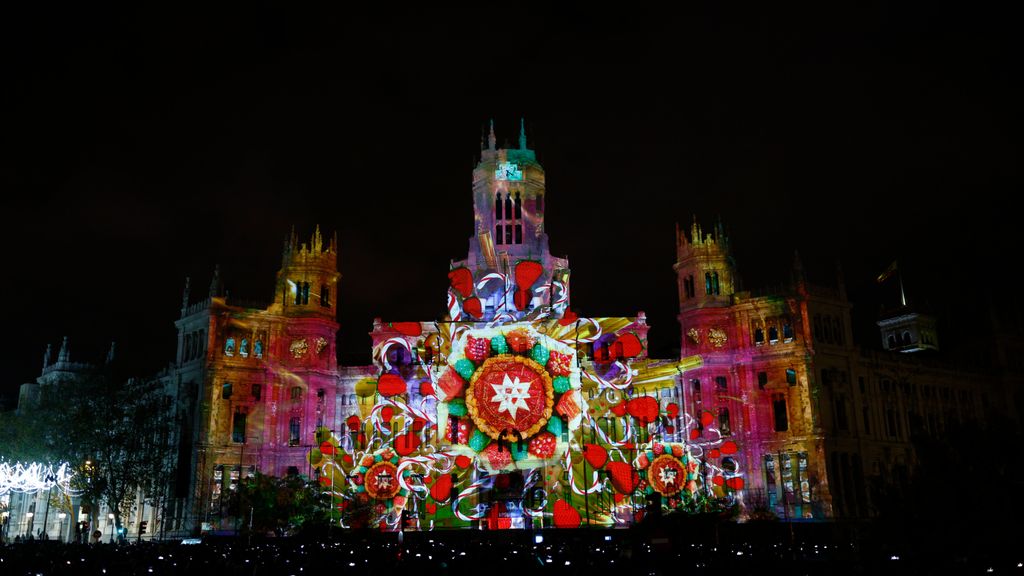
[508,171]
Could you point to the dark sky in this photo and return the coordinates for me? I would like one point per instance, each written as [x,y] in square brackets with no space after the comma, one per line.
[142,147]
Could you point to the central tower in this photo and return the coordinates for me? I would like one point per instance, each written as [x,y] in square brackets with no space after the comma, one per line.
[509,272]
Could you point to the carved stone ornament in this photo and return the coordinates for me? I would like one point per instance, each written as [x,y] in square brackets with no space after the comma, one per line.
[717,337]
[694,335]
[298,348]
[321,343]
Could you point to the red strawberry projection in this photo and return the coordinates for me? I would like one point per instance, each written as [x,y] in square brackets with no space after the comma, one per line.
[559,364]
[645,409]
[568,408]
[718,481]
[406,443]
[328,448]
[461,279]
[390,385]
[477,349]
[450,384]
[729,447]
[387,413]
[519,341]
[736,483]
[706,418]
[408,328]
[473,307]
[565,515]
[624,478]
[496,456]
[498,518]
[714,453]
[542,445]
[627,346]
[619,409]
[527,272]
[431,508]
[354,423]
[596,455]
[347,459]
[568,317]
[442,488]
[426,388]
[673,410]
[462,461]
[418,424]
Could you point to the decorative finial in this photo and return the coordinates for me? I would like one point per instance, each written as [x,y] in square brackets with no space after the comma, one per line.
[522,134]
[185,293]
[46,355]
[110,353]
[63,355]
[491,140]
[215,282]
[318,242]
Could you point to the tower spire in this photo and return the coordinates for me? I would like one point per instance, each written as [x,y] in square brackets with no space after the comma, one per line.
[215,282]
[491,140]
[63,355]
[110,353]
[46,355]
[522,133]
[185,294]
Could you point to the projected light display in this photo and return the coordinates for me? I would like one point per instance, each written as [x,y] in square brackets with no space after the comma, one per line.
[514,429]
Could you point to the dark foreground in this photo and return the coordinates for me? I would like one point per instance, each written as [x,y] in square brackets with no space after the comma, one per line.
[704,549]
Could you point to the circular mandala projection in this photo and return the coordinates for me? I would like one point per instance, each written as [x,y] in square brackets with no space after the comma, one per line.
[381,481]
[666,475]
[510,395]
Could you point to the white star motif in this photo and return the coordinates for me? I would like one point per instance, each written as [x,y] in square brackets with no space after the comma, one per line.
[512,394]
[668,475]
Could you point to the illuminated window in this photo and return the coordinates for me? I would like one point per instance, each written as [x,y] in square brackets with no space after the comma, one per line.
[773,335]
[540,203]
[294,431]
[508,233]
[519,207]
[787,332]
[497,207]
[225,390]
[519,233]
[305,292]
[229,347]
[499,238]
[298,293]
[257,349]
[723,422]
[714,284]
[779,410]
[257,391]
[707,283]
[243,350]
[758,337]
[790,376]
[238,428]
[762,379]
[325,296]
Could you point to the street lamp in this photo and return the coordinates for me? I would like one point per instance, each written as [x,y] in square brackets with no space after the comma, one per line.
[110,518]
[60,535]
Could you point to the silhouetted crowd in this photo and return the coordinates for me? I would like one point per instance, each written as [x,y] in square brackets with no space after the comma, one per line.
[498,553]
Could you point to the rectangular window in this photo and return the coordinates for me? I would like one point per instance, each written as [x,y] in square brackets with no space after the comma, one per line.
[325,296]
[890,422]
[238,428]
[721,384]
[257,392]
[841,421]
[762,379]
[508,234]
[791,377]
[787,332]
[498,236]
[723,422]
[771,483]
[779,410]
[225,390]
[294,431]
[519,233]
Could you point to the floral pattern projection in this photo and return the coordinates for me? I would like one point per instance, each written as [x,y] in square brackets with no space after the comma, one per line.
[548,421]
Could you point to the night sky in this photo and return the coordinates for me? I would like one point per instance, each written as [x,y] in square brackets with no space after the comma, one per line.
[141,147]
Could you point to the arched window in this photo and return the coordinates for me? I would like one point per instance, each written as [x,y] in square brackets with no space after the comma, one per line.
[773,334]
[508,208]
[497,206]
[723,422]
[186,348]
[229,347]
[243,350]
[305,292]
[325,296]
[714,284]
[296,392]
[294,431]
[787,332]
[707,283]
[891,340]
[519,207]
[298,293]
[257,349]
[758,337]
[906,337]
